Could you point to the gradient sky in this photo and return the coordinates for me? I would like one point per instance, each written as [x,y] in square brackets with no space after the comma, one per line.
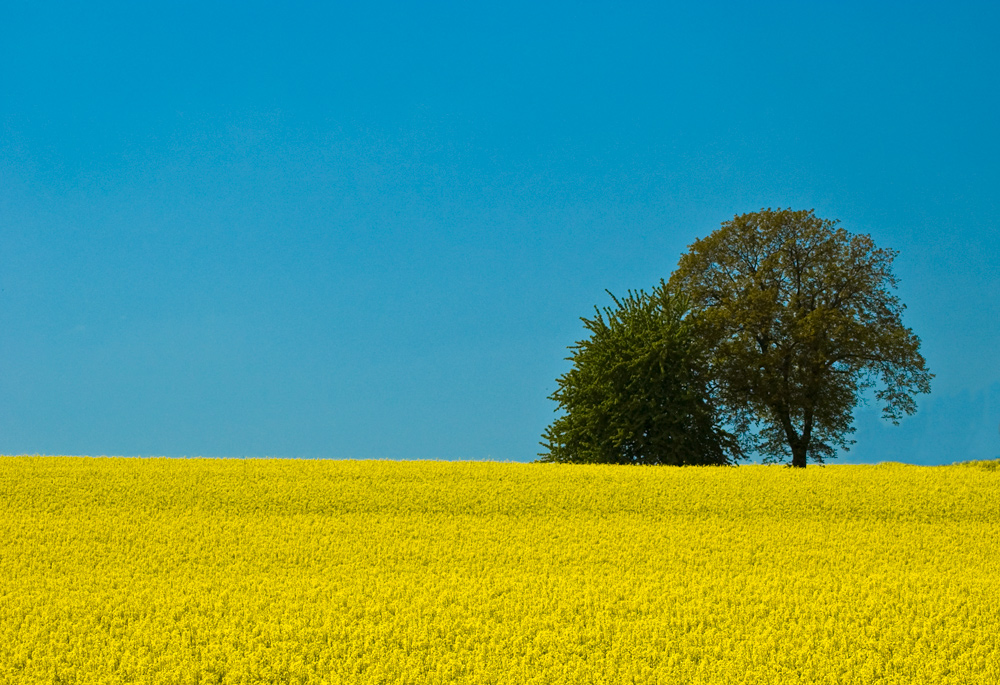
[369,230]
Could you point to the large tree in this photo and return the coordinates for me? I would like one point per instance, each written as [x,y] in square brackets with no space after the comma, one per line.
[801,321]
[637,392]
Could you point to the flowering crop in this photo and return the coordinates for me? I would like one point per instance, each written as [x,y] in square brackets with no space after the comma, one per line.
[286,571]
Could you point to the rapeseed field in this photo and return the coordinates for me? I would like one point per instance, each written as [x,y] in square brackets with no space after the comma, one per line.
[282,571]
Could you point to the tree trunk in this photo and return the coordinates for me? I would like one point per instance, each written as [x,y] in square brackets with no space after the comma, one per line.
[798,444]
[800,448]
[799,455]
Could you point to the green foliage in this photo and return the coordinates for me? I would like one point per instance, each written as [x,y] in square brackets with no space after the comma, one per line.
[637,392]
[984,464]
[801,321]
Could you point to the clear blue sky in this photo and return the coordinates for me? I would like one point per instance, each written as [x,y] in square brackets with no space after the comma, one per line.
[369,230]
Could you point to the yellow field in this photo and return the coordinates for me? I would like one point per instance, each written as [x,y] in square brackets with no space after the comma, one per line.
[260,571]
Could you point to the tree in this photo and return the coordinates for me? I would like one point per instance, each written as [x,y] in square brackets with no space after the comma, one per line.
[637,391]
[801,321]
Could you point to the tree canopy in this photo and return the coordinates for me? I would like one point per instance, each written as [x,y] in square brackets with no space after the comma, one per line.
[637,392]
[800,321]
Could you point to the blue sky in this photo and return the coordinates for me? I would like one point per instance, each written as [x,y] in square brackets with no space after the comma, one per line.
[369,230]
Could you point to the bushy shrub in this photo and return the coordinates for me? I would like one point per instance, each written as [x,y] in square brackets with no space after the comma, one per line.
[638,392]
